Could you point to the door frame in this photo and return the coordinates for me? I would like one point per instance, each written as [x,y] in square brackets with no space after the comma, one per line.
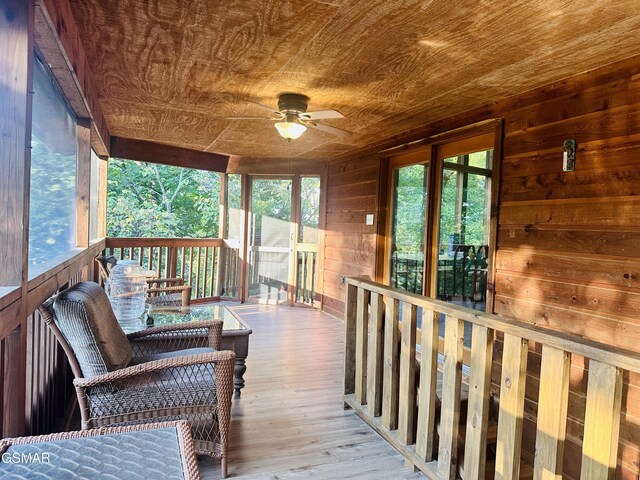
[475,137]
[294,232]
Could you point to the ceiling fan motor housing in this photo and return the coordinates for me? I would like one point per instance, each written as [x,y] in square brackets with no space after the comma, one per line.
[293,102]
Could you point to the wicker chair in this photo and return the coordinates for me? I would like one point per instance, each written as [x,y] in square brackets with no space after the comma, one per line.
[152,375]
[168,292]
[161,291]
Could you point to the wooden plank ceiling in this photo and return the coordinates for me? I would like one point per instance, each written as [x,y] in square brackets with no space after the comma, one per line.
[170,71]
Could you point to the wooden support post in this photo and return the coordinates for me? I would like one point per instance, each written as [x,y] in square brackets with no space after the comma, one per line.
[83,181]
[375,355]
[512,390]
[222,233]
[428,384]
[478,408]
[391,374]
[350,304]
[102,199]
[407,387]
[601,421]
[362,328]
[553,400]
[16,39]
[450,409]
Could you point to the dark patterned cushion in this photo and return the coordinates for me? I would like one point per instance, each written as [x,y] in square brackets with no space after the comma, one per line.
[85,318]
[147,454]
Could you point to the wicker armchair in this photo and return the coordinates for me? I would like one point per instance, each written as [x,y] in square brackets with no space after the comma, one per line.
[146,376]
[168,292]
[161,291]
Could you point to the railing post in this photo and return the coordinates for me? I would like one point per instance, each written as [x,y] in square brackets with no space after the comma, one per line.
[362,329]
[407,388]
[512,390]
[350,305]
[553,400]
[374,360]
[601,421]
[478,408]
[450,409]
[391,370]
[428,384]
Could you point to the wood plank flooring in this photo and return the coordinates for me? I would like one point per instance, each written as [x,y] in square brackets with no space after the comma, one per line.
[290,422]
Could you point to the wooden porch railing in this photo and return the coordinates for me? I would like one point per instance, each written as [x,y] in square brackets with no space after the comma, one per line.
[391,380]
[209,265]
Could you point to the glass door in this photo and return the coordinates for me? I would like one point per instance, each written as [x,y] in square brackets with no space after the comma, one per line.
[284,230]
[307,241]
[408,227]
[271,239]
[463,240]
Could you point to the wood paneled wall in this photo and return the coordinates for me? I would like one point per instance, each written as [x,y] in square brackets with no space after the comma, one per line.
[350,245]
[568,250]
[568,253]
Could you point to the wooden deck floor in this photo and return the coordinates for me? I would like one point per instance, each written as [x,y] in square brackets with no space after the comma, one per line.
[289,423]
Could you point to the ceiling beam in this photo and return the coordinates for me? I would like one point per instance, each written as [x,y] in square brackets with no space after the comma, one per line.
[143,151]
[276,166]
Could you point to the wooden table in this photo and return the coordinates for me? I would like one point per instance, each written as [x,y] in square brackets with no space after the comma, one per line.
[235,333]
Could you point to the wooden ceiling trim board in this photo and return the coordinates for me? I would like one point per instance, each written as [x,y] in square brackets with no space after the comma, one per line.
[143,151]
[59,41]
[276,166]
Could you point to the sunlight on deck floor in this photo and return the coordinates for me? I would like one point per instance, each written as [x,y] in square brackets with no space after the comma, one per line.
[290,423]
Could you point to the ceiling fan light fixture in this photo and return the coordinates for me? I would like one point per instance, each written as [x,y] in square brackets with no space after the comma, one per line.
[290,130]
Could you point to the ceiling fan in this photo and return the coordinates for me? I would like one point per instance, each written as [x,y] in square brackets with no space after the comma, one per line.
[293,119]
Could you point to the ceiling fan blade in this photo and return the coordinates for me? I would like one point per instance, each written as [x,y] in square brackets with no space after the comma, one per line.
[271,110]
[251,118]
[328,129]
[322,115]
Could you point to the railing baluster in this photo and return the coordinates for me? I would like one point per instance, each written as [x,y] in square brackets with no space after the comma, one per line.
[450,409]
[552,413]
[198,272]
[601,421]
[221,273]
[191,270]
[391,364]
[478,407]
[160,256]
[206,272]
[350,315]
[428,384]
[512,390]
[362,328]
[374,358]
[407,393]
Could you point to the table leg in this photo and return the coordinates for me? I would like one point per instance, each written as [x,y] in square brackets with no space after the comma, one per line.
[238,373]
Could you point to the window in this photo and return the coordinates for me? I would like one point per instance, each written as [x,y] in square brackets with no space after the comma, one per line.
[234,205]
[52,230]
[408,227]
[463,241]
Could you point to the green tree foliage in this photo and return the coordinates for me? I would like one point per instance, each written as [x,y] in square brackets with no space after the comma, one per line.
[52,203]
[151,200]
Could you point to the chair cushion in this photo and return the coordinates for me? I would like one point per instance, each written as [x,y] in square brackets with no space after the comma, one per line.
[85,318]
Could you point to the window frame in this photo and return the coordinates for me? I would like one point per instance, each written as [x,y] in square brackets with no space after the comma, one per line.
[432,151]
